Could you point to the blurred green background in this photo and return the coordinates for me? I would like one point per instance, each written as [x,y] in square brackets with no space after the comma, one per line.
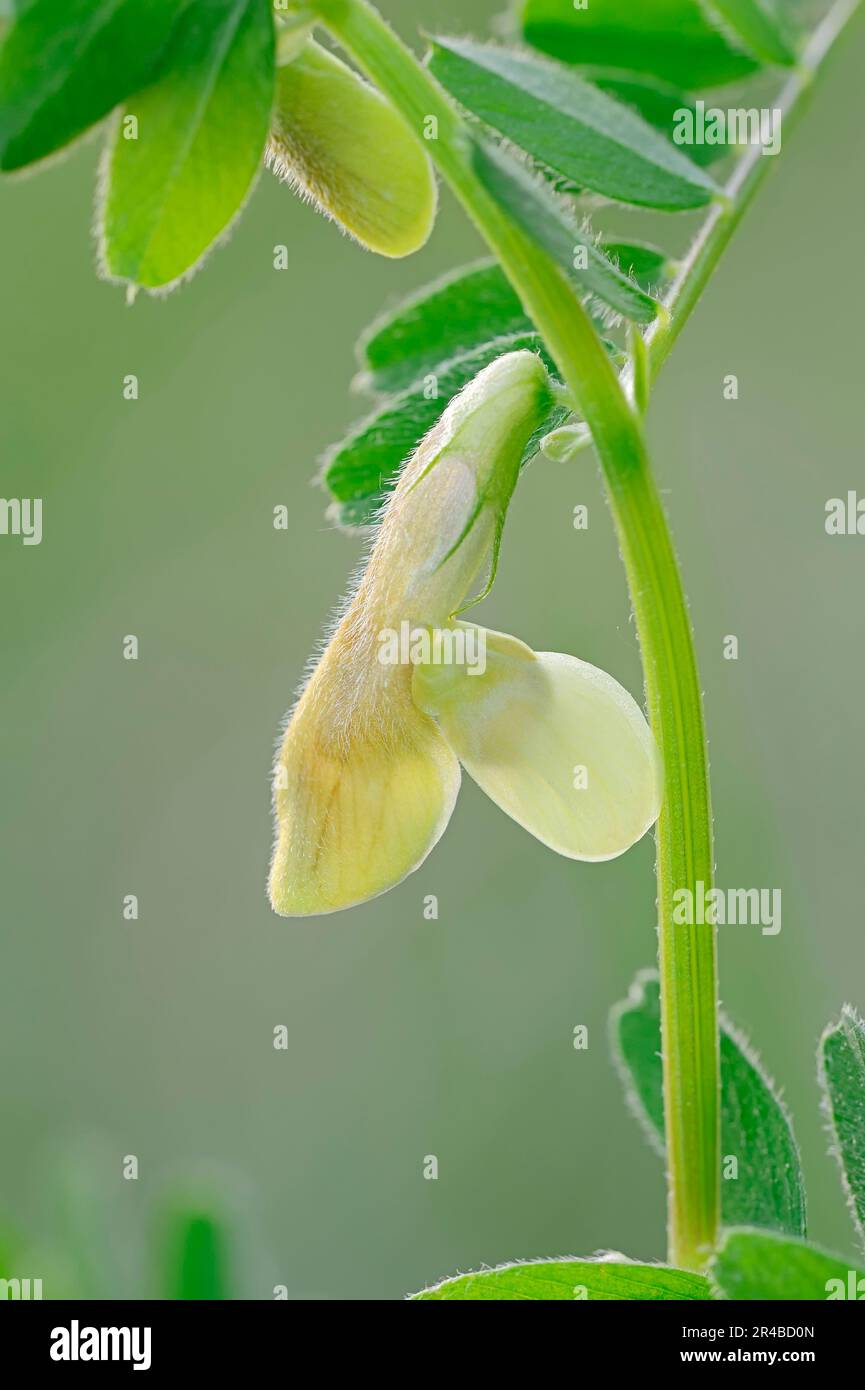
[406,1037]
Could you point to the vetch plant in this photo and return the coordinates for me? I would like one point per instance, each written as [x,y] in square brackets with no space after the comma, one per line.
[550,346]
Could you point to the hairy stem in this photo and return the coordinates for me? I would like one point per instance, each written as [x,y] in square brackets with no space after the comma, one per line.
[687,955]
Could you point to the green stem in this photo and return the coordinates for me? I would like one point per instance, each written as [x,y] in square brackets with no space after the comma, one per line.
[687,955]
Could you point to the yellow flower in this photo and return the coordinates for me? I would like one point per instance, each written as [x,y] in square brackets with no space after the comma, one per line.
[369,769]
[340,143]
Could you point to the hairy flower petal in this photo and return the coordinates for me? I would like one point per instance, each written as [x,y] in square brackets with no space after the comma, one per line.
[359,804]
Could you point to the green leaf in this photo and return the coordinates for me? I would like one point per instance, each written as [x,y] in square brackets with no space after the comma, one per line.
[755,1126]
[448,318]
[757,1131]
[201,132]
[573,1280]
[758,27]
[93,1229]
[196,1257]
[457,314]
[842,1077]
[11,1243]
[360,469]
[571,126]
[63,67]
[646,264]
[759,1265]
[659,103]
[672,39]
[541,214]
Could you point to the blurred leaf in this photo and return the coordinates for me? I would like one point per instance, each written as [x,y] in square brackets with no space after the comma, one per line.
[755,1126]
[11,1251]
[571,126]
[842,1077]
[759,1265]
[65,66]
[90,1220]
[173,190]
[541,215]
[757,26]
[197,1257]
[448,318]
[359,469]
[672,39]
[657,102]
[573,1280]
[647,264]
[343,144]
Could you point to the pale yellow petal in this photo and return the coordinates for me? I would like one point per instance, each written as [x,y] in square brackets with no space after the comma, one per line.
[362,793]
[556,743]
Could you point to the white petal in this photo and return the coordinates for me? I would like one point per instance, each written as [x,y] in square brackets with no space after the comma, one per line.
[556,743]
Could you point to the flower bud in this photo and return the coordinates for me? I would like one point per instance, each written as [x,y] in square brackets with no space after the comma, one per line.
[443,522]
[339,142]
